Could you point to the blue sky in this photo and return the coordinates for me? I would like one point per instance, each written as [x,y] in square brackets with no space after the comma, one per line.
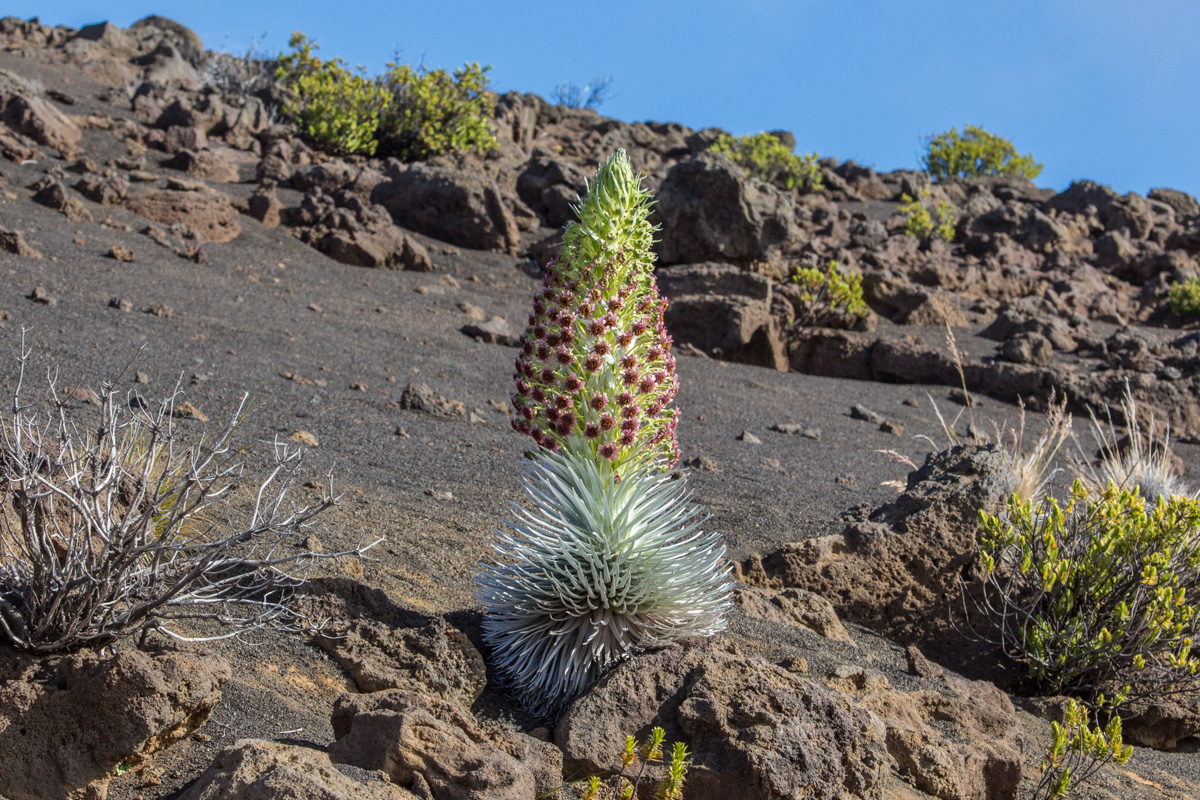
[1092,88]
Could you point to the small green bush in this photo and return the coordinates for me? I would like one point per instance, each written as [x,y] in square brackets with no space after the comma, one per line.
[635,757]
[765,158]
[1101,598]
[827,295]
[1184,298]
[975,153]
[430,112]
[921,222]
[338,108]
[412,113]
[1077,752]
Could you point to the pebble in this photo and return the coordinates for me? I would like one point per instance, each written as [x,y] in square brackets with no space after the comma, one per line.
[891,427]
[796,429]
[749,438]
[41,296]
[120,304]
[867,415]
[702,463]
[160,310]
[305,438]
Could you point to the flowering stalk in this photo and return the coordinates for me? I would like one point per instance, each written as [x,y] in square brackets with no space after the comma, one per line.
[595,372]
[609,560]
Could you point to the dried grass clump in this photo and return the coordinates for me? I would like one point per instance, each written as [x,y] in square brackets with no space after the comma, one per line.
[1140,461]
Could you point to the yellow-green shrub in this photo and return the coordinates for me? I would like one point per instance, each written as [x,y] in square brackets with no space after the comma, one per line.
[1100,598]
[1184,298]
[431,112]
[826,295]
[1078,751]
[921,222]
[766,158]
[337,107]
[975,153]
[406,112]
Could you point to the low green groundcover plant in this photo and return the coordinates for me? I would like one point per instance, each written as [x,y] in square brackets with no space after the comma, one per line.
[1100,597]
[411,113]
[975,153]
[764,157]
[826,295]
[1184,298]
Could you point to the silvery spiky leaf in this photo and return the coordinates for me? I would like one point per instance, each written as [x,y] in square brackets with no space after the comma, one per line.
[596,571]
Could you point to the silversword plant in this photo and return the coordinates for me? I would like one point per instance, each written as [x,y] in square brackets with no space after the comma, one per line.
[609,559]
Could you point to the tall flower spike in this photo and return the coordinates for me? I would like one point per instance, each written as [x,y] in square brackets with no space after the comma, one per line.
[610,560]
[601,307]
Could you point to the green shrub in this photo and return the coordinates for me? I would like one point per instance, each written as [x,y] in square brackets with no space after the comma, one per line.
[921,222]
[1184,298]
[765,158]
[827,295]
[338,108]
[406,112]
[1100,598]
[1077,752]
[975,153]
[431,112]
[635,757]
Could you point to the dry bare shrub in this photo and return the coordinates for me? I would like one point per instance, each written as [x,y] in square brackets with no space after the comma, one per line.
[108,526]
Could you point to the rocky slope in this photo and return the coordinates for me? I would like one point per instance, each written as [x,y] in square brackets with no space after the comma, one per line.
[145,207]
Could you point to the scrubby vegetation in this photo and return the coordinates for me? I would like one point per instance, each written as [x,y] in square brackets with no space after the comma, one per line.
[430,112]
[109,528]
[1099,598]
[764,157]
[635,758]
[921,222]
[975,153]
[827,295]
[1078,751]
[411,113]
[1184,298]
[592,94]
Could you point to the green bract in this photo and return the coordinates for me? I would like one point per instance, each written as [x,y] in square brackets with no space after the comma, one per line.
[764,157]
[1101,597]
[976,153]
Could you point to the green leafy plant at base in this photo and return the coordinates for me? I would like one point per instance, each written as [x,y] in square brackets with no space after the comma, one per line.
[1077,752]
[975,153]
[921,223]
[826,295]
[412,113]
[1184,298]
[431,112]
[635,758]
[1099,598]
[337,107]
[766,158]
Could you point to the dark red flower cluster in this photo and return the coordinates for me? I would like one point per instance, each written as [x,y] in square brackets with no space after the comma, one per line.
[595,371]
